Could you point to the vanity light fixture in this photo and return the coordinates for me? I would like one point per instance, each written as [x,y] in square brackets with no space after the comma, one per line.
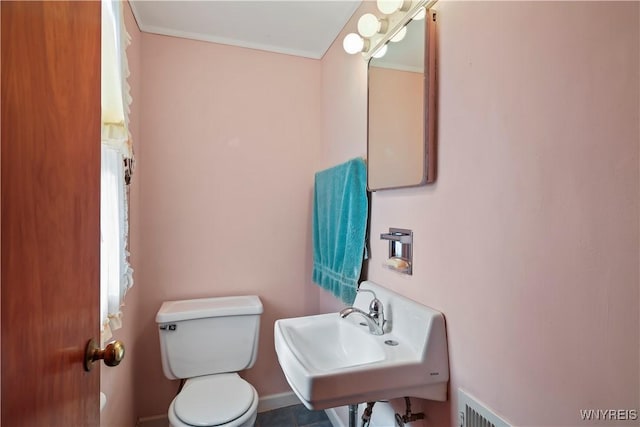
[369,25]
[389,7]
[375,32]
[353,44]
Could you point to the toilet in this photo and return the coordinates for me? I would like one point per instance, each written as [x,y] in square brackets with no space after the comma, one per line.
[206,342]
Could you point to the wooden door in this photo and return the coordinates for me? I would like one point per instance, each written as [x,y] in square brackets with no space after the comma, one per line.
[50,169]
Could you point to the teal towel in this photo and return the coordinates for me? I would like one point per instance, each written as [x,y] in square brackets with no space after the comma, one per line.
[340,210]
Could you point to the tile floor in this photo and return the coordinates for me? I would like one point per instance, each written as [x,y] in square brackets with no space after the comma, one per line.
[293,416]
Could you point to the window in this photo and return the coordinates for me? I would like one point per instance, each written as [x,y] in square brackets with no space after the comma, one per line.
[116,275]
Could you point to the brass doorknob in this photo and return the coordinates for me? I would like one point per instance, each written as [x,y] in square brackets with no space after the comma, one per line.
[112,354]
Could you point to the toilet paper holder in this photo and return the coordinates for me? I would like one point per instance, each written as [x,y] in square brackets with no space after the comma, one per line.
[400,250]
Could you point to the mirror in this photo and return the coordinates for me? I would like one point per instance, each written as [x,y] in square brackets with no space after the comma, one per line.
[401,107]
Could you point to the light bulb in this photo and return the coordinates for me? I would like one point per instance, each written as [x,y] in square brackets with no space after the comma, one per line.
[353,43]
[399,35]
[420,14]
[391,6]
[405,5]
[369,25]
[388,6]
[381,52]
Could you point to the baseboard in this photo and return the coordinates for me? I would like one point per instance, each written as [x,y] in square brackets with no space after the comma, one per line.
[278,400]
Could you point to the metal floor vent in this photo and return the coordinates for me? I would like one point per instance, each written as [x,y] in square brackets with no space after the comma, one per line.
[475,414]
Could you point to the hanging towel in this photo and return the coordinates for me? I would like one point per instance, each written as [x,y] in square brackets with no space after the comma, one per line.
[340,209]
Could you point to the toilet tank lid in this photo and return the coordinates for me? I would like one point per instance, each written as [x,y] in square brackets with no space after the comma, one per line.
[174,311]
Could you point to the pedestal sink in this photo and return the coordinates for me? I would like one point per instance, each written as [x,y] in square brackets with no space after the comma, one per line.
[330,361]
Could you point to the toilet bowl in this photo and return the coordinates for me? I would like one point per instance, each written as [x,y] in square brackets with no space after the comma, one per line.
[222,400]
[206,341]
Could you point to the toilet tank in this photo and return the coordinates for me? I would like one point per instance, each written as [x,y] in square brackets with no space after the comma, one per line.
[208,335]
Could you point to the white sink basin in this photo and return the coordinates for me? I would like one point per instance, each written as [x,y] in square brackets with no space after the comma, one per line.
[323,343]
[329,361]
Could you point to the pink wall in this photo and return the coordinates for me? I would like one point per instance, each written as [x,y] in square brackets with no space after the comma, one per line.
[231,142]
[344,113]
[529,240]
[119,383]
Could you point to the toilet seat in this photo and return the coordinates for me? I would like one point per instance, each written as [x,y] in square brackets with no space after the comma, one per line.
[214,400]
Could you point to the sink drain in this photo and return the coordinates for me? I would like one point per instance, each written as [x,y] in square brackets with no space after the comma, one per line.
[391,342]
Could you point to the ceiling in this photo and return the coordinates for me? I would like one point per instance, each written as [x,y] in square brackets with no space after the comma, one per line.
[304,28]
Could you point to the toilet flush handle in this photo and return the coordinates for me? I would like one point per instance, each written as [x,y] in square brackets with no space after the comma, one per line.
[112,354]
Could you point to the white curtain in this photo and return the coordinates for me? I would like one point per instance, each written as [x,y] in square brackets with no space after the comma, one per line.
[116,275]
[115,272]
[115,70]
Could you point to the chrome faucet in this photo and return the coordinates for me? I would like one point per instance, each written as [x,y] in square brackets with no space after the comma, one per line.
[375,317]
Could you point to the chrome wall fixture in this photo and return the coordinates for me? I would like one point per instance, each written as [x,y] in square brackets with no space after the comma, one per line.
[375,32]
[400,250]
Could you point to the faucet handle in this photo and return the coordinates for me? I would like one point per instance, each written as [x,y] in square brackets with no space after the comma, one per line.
[375,306]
